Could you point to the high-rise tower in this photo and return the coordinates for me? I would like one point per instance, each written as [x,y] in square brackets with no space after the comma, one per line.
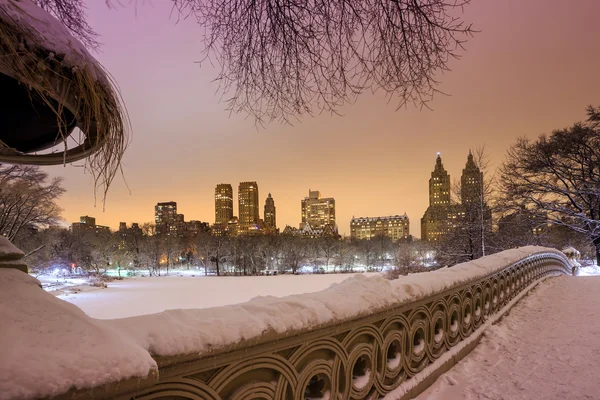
[223,204]
[441,216]
[165,217]
[317,211]
[439,185]
[165,213]
[471,183]
[270,215]
[248,206]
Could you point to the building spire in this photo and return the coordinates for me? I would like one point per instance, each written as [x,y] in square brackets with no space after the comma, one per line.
[438,163]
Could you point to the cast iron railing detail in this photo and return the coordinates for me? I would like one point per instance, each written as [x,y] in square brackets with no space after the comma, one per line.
[361,358]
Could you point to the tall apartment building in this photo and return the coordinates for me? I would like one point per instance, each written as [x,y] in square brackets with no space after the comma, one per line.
[223,204]
[395,227]
[441,216]
[248,207]
[471,183]
[439,185]
[318,211]
[270,216]
[165,212]
[165,217]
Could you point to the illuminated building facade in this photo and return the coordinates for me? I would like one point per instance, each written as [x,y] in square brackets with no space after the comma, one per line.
[270,215]
[395,227]
[223,203]
[317,211]
[248,218]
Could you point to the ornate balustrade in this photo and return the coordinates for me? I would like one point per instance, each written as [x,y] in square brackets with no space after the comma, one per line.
[363,358]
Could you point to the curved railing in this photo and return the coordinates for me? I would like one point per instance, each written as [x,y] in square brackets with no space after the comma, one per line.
[367,357]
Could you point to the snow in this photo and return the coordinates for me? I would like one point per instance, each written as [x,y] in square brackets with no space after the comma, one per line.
[361,381]
[8,250]
[591,270]
[42,30]
[139,296]
[438,336]
[48,345]
[546,348]
[174,332]
[56,345]
[418,349]
[394,362]
[410,384]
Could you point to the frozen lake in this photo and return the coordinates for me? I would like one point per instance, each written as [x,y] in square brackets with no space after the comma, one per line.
[139,296]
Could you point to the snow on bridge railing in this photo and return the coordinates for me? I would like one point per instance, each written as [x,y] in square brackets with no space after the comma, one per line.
[366,337]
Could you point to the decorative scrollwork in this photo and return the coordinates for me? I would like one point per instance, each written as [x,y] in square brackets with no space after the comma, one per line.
[362,358]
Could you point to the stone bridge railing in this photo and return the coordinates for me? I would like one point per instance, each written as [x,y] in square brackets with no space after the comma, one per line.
[364,358]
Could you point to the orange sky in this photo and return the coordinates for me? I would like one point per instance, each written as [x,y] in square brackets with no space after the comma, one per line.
[534,67]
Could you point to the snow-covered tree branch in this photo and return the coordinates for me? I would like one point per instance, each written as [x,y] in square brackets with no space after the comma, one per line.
[560,175]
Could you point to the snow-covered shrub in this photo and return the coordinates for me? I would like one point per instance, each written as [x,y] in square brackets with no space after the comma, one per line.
[97,281]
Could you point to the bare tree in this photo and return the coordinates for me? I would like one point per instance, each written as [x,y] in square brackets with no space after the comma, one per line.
[346,256]
[405,257]
[285,58]
[559,174]
[471,223]
[368,250]
[27,199]
[72,14]
[202,245]
[294,252]
[218,251]
[102,247]
[329,248]
[151,249]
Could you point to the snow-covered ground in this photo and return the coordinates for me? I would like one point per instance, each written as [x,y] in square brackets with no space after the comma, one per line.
[546,348]
[139,296]
[591,270]
[48,345]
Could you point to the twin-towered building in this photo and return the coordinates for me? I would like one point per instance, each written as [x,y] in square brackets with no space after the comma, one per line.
[442,215]
[248,220]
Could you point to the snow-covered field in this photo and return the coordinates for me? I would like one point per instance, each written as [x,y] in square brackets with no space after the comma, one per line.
[139,296]
[546,348]
[591,270]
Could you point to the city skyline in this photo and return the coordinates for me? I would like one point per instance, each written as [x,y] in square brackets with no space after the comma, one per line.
[512,81]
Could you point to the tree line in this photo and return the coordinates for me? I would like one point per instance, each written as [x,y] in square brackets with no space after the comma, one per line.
[547,192]
[64,252]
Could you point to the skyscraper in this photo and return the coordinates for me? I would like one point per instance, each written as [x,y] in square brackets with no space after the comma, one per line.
[471,183]
[248,207]
[165,212]
[165,216]
[317,211]
[441,216]
[270,216]
[223,203]
[439,185]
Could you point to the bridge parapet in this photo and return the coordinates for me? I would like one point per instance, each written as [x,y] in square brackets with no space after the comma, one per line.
[364,338]
[11,256]
[360,358]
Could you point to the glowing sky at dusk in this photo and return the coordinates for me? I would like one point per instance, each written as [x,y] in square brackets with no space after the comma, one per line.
[534,67]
